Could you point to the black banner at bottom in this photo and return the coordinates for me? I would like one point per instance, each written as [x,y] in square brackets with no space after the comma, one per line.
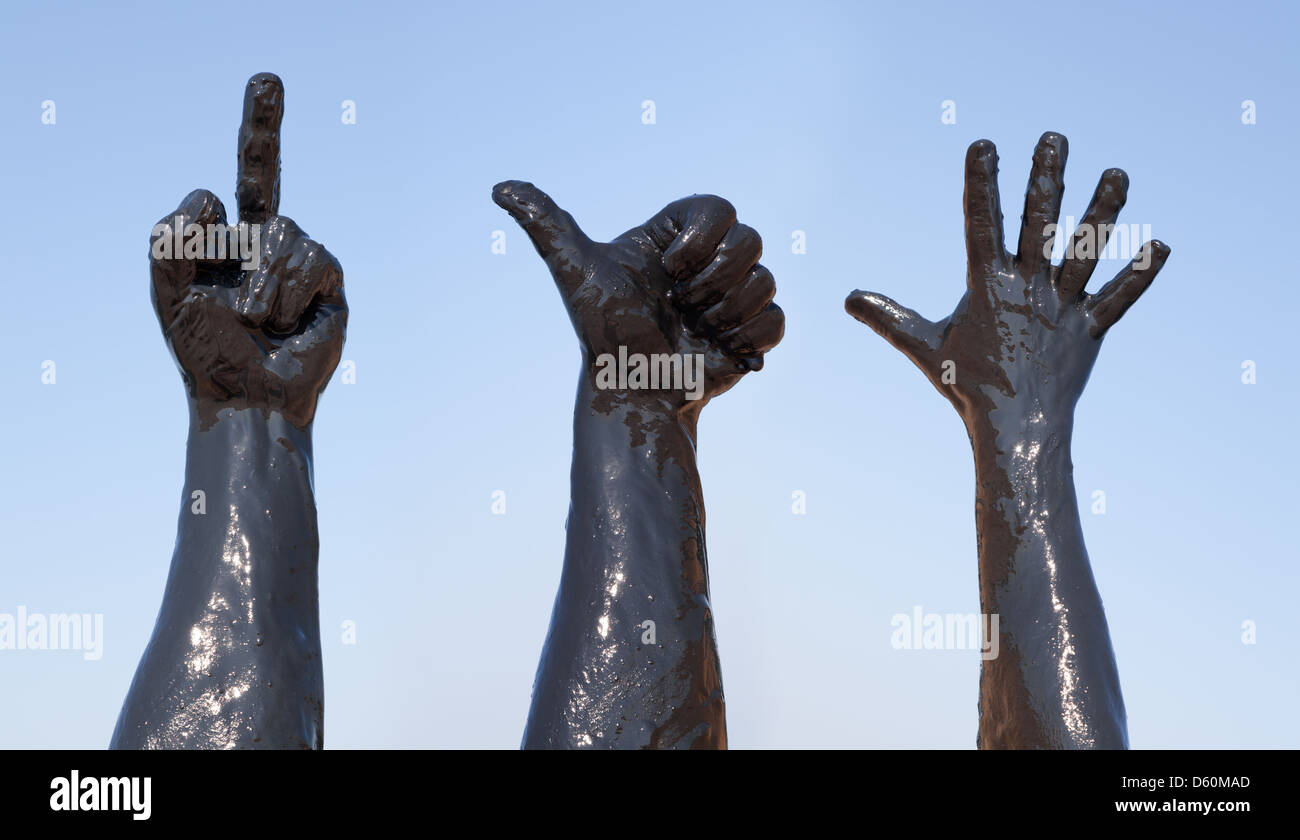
[219,791]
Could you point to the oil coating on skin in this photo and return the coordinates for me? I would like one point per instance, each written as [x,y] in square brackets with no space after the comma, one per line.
[235,657]
[630,660]
[1017,352]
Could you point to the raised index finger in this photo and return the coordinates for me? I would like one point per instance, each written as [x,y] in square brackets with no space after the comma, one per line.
[257,189]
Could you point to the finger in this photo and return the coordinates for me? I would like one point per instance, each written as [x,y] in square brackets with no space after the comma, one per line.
[257,188]
[689,230]
[324,317]
[318,275]
[757,335]
[914,335]
[985,249]
[316,347]
[1042,203]
[325,332]
[738,252]
[1114,299]
[1090,237]
[553,232]
[740,303]
[278,245]
[171,273]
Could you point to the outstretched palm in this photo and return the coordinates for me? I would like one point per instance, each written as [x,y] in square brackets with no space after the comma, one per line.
[1025,329]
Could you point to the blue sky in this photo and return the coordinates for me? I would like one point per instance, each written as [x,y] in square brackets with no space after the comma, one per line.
[814,117]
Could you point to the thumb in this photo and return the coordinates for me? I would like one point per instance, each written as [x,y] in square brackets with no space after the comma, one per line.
[554,233]
[914,335]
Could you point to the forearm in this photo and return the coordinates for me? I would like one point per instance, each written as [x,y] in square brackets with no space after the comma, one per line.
[1054,682]
[630,659]
[234,660]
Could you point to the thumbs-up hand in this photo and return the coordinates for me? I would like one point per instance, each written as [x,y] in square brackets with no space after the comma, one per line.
[686,283]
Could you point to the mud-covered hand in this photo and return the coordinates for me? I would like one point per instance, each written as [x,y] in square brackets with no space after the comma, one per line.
[261,322]
[686,282]
[1014,357]
[1026,330]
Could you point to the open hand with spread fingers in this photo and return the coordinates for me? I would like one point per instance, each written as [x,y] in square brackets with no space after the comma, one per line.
[1013,358]
[1025,330]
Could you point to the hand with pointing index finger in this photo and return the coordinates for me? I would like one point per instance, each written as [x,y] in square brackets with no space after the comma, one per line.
[266,331]
[686,282]
[256,324]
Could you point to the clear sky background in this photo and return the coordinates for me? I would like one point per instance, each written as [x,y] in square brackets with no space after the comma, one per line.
[815,117]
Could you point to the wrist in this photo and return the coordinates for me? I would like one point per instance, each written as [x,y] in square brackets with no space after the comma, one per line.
[657,384]
[224,426]
[651,415]
[269,398]
[1023,441]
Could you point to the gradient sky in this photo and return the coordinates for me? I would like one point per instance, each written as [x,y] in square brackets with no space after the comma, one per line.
[814,117]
